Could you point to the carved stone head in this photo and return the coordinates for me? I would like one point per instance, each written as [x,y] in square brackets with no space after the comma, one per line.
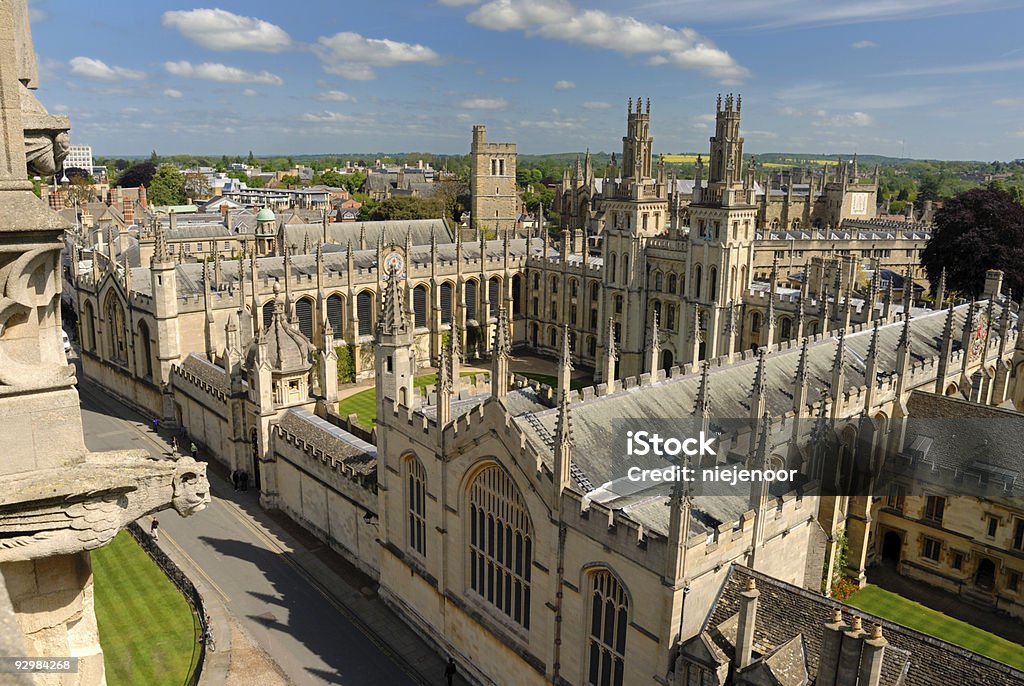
[191,488]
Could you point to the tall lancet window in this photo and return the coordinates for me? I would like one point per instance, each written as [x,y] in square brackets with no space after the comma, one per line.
[416,505]
[500,544]
[609,617]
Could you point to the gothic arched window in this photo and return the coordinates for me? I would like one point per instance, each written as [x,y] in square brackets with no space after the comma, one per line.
[304,313]
[698,276]
[268,313]
[671,283]
[364,311]
[419,306]
[500,544]
[609,620]
[415,504]
[494,296]
[471,313]
[446,303]
[713,283]
[336,314]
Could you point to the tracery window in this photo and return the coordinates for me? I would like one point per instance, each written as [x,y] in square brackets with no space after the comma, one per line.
[416,505]
[609,618]
[500,544]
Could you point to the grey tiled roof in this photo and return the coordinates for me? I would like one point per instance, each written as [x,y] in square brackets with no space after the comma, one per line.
[911,659]
[356,454]
[340,233]
[206,371]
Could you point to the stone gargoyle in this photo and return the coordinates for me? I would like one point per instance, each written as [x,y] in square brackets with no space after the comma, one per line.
[82,506]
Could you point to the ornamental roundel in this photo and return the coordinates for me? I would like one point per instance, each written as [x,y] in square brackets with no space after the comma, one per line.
[394,263]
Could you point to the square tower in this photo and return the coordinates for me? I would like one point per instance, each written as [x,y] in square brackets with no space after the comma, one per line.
[492,183]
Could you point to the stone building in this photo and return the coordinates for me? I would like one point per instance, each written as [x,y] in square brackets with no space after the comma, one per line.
[59,500]
[493,165]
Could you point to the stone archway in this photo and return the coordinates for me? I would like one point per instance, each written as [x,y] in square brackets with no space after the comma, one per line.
[892,548]
[985,576]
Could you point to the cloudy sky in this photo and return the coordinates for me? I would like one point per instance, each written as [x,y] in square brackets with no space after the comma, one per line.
[936,78]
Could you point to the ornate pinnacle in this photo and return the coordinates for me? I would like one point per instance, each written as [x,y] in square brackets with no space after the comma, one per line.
[873,344]
[702,404]
[160,244]
[611,348]
[392,319]
[445,380]
[502,336]
[801,365]
[759,381]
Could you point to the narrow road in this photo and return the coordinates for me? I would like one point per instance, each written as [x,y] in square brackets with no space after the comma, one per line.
[233,546]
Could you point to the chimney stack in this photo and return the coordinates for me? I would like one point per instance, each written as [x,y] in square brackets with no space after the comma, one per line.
[849,655]
[745,630]
[871,657]
[831,642]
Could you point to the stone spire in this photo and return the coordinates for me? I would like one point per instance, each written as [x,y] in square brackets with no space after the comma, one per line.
[287,262]
[502,351]
[870,367]
[802,377]
[940,291]
[887,303]
[758,398]
[563,431]
[702,401]
[945,349]
[445,386]
[695,338]
[611,356]
[908,289]
[839,368]
[393,318]
[654,349]
[160,254]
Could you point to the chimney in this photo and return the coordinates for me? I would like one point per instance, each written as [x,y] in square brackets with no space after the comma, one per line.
[128,211]
[745,630]
[849,655]
[172,220]
[831,642]
[142,196]
[871,658]
[229,218]
[993,283]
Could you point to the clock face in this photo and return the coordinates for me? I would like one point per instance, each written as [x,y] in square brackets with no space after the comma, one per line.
[396,263]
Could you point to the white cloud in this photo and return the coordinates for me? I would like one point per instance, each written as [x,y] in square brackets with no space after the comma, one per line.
[219,29]
[459,3]
[561,20]
[211,71]
[250,93]
[90,68]
[858,119]
[326,116]
[484,104]
[353,56]
[334,96]
[564,85]
[172,93]
[596,105]
[1008,102]
[863,44]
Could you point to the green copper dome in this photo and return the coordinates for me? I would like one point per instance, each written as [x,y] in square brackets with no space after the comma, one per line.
[265,215]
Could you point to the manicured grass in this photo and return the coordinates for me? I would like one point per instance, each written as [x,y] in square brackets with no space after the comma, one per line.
[916,616]
[552,380]
[364,403]
[147,629]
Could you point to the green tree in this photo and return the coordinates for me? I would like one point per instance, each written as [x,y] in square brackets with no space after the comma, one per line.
[140,174]
[409,207]
[346,364]
[167,186]
[251,160]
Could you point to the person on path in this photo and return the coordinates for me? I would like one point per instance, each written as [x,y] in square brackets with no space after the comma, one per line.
[174,445]
[234,478]
[194,450]
[156,425]
[154,529]
[449,671]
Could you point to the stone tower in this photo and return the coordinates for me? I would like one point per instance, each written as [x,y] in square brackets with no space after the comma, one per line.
[636,209]
[492,184]
[722,226]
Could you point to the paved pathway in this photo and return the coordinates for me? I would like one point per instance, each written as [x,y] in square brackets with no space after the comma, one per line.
[316,616]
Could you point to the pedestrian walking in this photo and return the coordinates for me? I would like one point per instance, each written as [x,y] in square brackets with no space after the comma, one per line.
[156,425]
[449,671]
[174,445]
[193,449]
[244,478]
[154,529]
[234,478]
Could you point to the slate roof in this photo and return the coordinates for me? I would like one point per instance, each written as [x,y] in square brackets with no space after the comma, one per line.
[594,421]
[356,454]
[206,371]
[340,233]
[911,658]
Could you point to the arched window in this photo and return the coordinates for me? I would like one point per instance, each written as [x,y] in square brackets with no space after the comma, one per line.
[335,313]
[659,281]
[573,288]
[494,295]
[446,303]
[618,304]
[517,296]
[364,312]
[755,322]
[713,283]
[114,312]
[145,364]
[625,267]
[419,306]
[786,329]
[670,318]
[671,283]
[595,292]
[416,504]
[609,619]
[268,313]
[500,544]
[611,265]
[470,300]
[552,338]
[591,346]
[698,277]
[89,327]
[304,313]
[536,281]
[554,284]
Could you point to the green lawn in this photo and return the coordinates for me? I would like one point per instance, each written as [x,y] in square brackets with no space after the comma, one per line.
[916,616]
[552,380]
[148,632]
[364,403]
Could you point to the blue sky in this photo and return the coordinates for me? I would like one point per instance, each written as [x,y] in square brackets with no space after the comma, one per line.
[936,78]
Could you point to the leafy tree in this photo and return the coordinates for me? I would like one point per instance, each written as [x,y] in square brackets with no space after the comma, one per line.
[454,193]
[80,190]
[251,160]
[346,364]
[140,174]
[153,157]
[409,207]
[197,185]
[167,186]
[978,230]
[289,181]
